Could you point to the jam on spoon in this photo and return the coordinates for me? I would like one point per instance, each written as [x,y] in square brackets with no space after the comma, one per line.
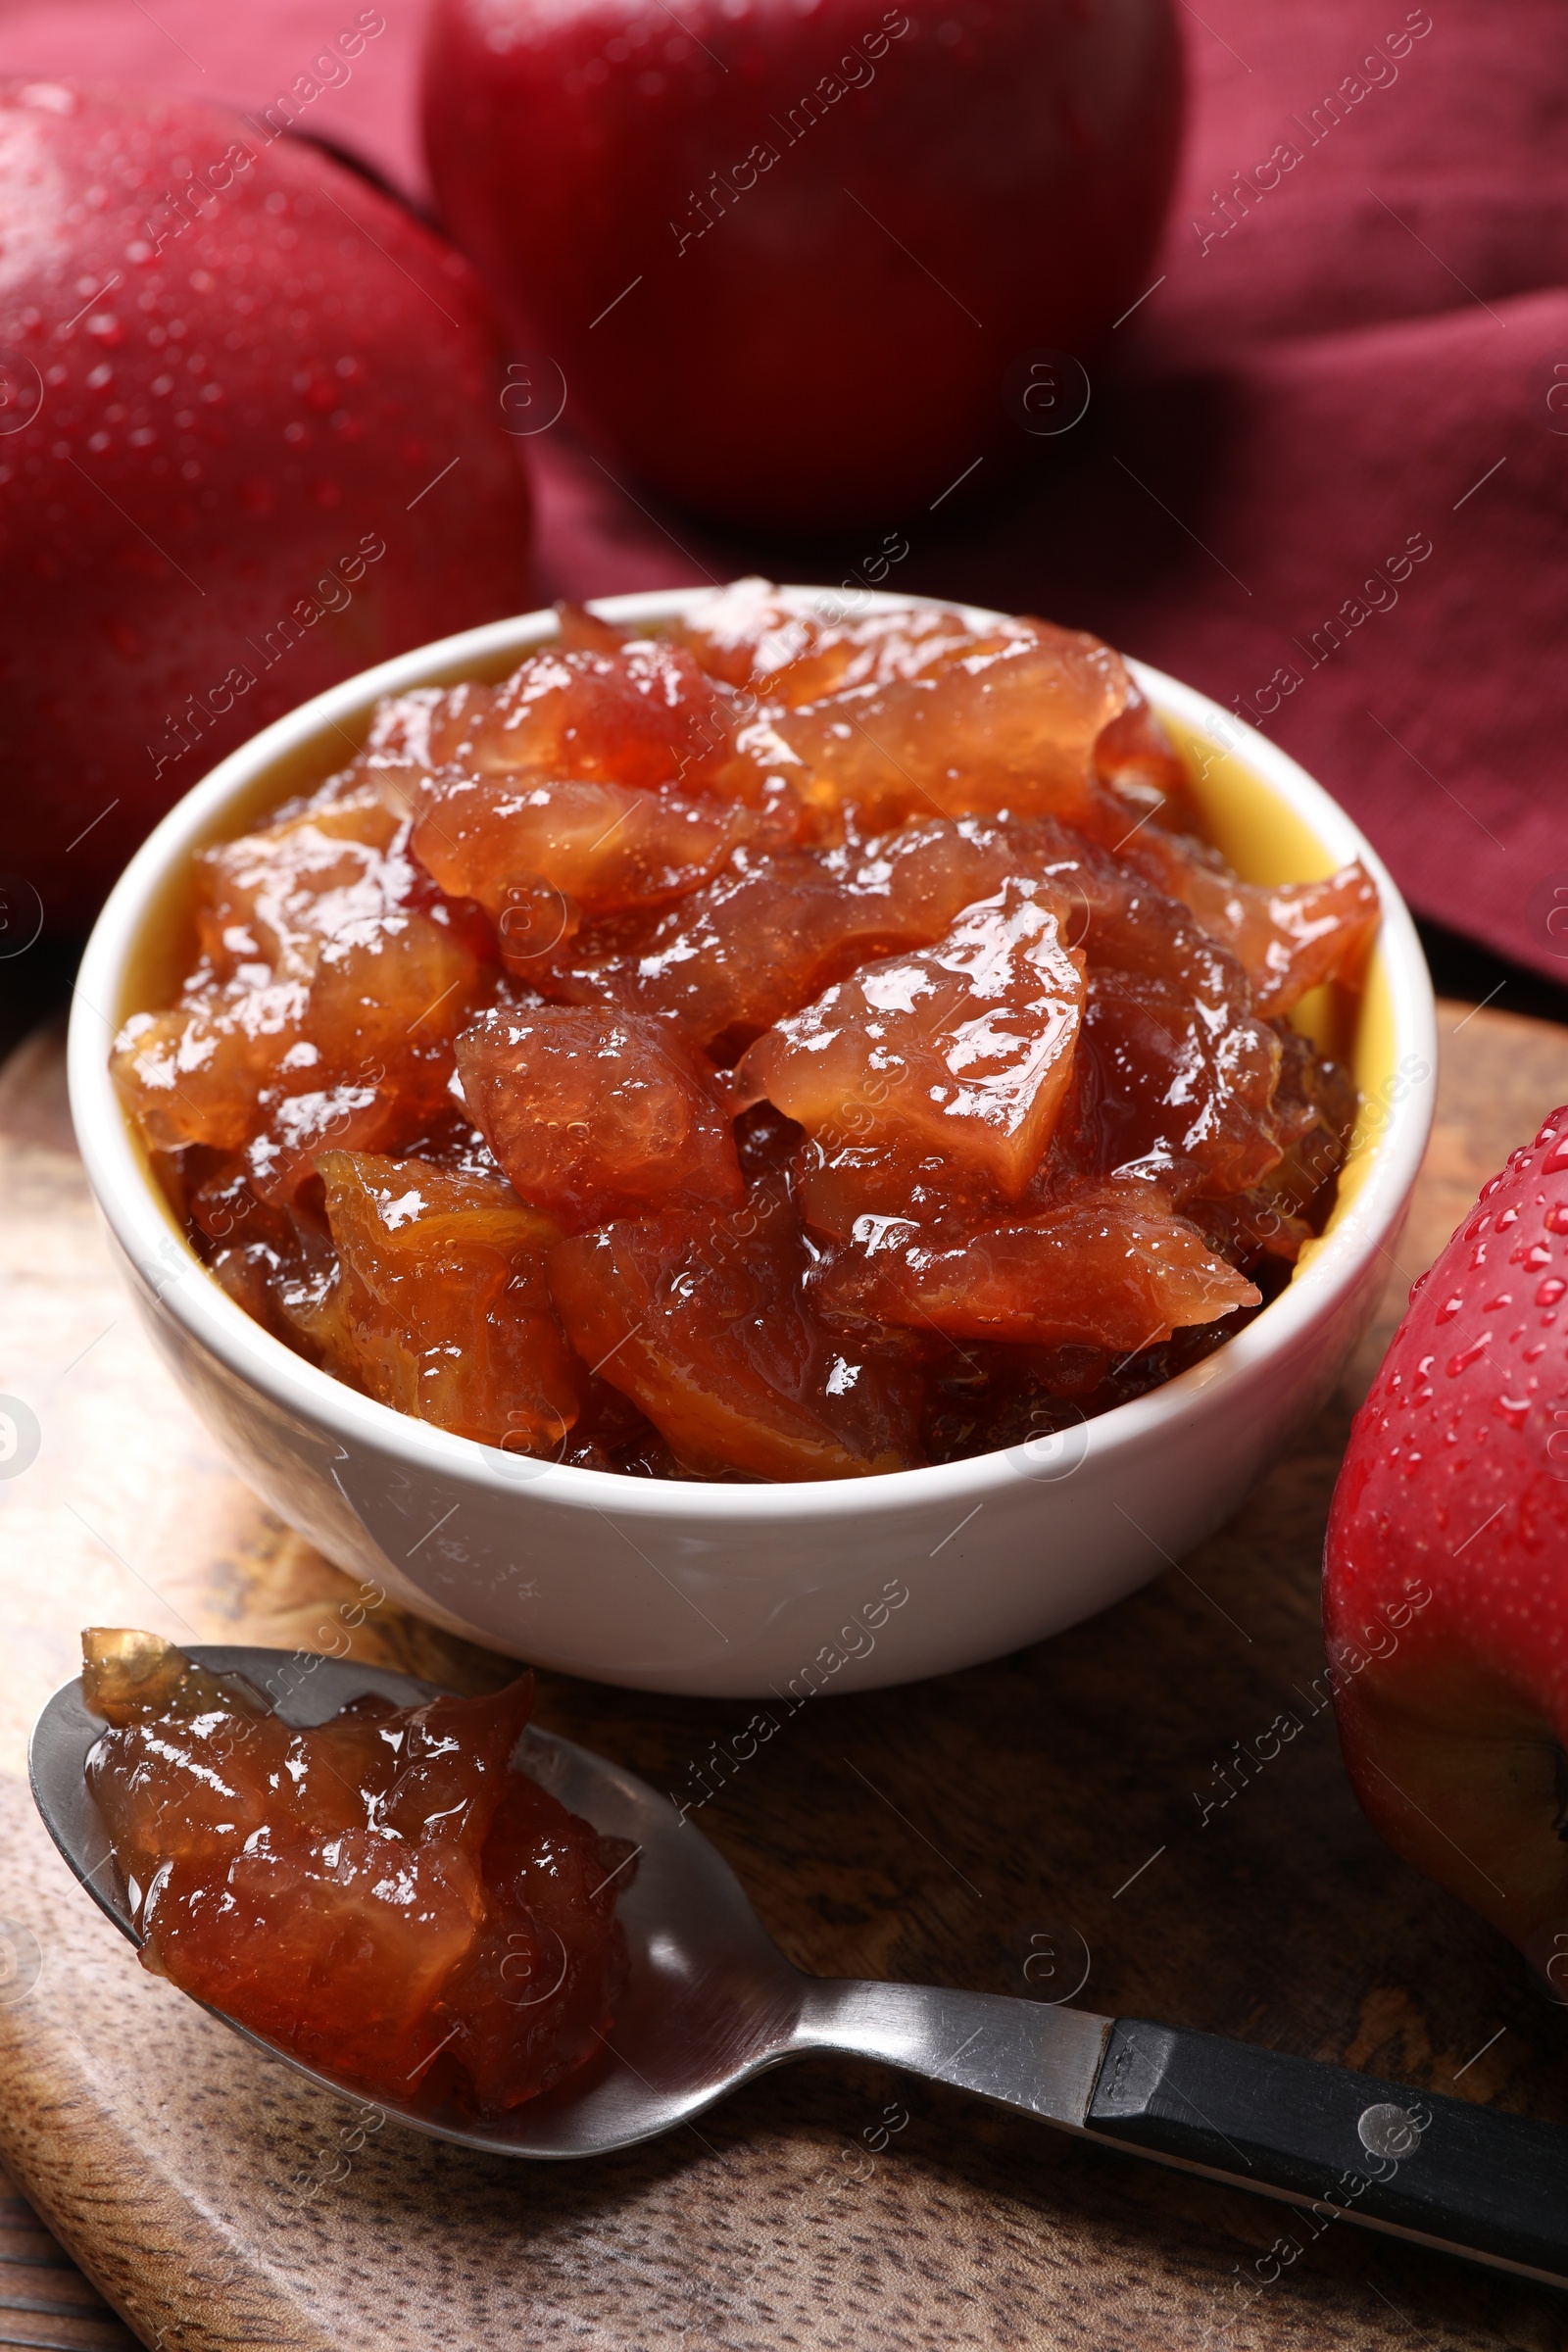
[382,1895]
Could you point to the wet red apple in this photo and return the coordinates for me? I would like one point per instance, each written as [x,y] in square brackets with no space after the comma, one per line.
[250,441]
[1446,1571]
[804,262]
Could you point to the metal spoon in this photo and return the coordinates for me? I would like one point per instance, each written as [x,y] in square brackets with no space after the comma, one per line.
[711,2001]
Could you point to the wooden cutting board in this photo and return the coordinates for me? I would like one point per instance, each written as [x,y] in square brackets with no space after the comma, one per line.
[928,1834]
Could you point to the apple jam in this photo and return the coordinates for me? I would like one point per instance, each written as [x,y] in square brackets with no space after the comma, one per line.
[382,1897]
[778,1044]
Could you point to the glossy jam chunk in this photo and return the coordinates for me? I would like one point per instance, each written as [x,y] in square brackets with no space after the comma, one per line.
[276,897]
[329,963]
[1112,1270]
[795,1038]
[770,933]
[642,716]
[707,1326]
[596,1115]
[944,1068]
[916,710]
[1313,1113]
[1176,1076]
[791,645]
[442,1308]
[1008,723]
[592,849]
[1286,939]
[381,1895]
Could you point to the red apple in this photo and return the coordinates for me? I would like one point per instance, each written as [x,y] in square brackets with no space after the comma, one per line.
[249,440]
[1445,1589]
[805,262]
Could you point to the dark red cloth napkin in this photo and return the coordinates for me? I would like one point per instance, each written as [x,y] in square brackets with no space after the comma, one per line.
[1324,471]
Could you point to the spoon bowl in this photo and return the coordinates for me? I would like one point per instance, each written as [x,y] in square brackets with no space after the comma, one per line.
[711,2001]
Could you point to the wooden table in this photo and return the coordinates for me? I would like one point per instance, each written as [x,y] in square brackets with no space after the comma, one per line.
[218,2200]
[46,2305]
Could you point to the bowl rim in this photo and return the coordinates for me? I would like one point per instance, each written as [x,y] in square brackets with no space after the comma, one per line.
[140,1221]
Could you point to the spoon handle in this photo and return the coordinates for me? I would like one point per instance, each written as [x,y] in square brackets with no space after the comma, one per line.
[1339,2145]
[1344,2146]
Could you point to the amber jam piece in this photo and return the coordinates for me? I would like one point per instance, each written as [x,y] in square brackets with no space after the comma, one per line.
[1289,938]
[790,647]
[592,849]
[331,971]
[771,932]
[596,1115]
[641,713]
[708,1326]
[944,1068]
[1113,1269]
[792,1041]
[384,1896]
[443,1308]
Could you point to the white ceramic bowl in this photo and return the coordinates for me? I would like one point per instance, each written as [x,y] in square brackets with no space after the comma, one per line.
[739,1590]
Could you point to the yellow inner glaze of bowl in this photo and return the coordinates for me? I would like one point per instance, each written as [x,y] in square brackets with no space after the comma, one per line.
[1263,839]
